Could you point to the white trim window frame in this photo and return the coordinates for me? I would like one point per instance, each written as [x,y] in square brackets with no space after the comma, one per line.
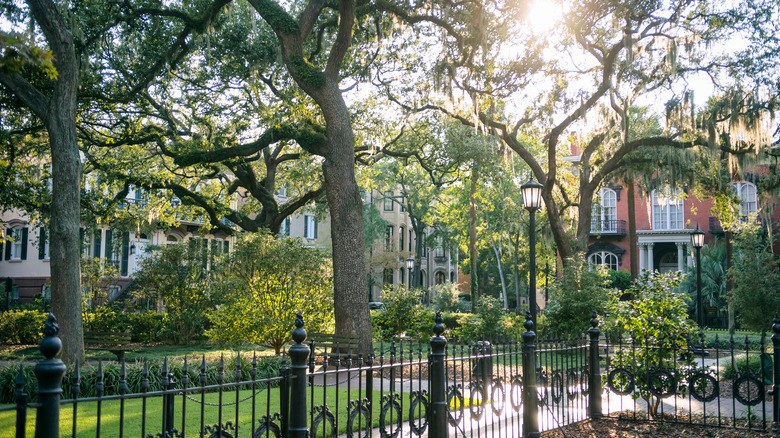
[605,258]
[668,209]
[748,197]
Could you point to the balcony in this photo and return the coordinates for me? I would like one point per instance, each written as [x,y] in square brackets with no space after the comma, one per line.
[612,227]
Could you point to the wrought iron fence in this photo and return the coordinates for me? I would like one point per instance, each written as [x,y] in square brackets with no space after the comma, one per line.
[726,384]
[498,387]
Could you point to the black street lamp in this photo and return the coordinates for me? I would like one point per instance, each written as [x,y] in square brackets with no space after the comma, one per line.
[697,240]
[532,201]
[410,270]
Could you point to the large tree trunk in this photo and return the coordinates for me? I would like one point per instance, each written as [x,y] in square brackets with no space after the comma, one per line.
[64,246]
[730,281]
[473,235]
[346,214]
[59,117]
[633,252]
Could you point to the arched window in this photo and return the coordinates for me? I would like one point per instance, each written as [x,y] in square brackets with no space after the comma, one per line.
[605,258]
[440,277]
[668,213]
[604,215]
[172,239]
[748,199]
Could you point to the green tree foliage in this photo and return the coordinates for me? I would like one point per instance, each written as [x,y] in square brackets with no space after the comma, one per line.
[488,322]
[265,282]
[96,277]
[175,280]
[403,313]
[632,50]
[756,280]
[581,289]
[713,277]
[654,327]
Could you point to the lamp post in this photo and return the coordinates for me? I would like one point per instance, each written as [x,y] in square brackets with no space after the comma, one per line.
[697,240]
[532,201]
[410,270]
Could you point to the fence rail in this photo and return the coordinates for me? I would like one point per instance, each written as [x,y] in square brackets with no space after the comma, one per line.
[498,387]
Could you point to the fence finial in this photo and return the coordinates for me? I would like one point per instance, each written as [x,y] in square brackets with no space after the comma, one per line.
[438,326]
[299,333]
[529,322]
[50,345]
[776,325]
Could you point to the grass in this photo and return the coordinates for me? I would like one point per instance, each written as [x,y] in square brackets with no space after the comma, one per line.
[110,413]
[139,352]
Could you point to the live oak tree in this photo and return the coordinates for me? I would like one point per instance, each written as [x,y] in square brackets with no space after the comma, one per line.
[51,99]
[496,73]
[226,94]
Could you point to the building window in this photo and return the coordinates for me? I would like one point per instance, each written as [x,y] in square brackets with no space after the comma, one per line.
[410,241]
[440,277]
[309,227]
[387,276]
[604,215]
[402,276]
[668,209]
[748,199]
[388,202]
[605,258]
[401,238]
[16,249]
[282,191]
[439,247]
[285,229]
[452,277]
[172,239]
[389,238]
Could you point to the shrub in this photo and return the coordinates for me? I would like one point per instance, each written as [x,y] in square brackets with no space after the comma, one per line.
[756,280]
[403,314]
[267,366]
[575,295]
[655,322]
[21,326]
[445,296]
[175,277]
[489,322]
[620,280]
[265,282]
[748,365]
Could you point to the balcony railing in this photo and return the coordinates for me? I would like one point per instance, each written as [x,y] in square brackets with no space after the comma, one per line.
[612,227]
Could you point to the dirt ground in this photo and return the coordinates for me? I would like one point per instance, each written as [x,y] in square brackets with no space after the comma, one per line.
[612,428]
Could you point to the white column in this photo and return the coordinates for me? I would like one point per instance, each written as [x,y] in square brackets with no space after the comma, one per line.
[650,256]
[641,256]
[680,256]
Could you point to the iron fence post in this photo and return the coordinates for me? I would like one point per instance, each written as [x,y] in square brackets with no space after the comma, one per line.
[284,397]
[168,399]
[776,373]
[21,403]
[438,384]
[531,409]
[594,375]
[298,407]
[49,372]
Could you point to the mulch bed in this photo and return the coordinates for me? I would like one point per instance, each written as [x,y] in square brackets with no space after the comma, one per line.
[612,428]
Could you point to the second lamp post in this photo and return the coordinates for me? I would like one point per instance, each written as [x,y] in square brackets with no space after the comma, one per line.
[532,201]
[697,240]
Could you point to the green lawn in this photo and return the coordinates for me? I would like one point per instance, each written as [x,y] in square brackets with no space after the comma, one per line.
[87,425]
[139,352]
